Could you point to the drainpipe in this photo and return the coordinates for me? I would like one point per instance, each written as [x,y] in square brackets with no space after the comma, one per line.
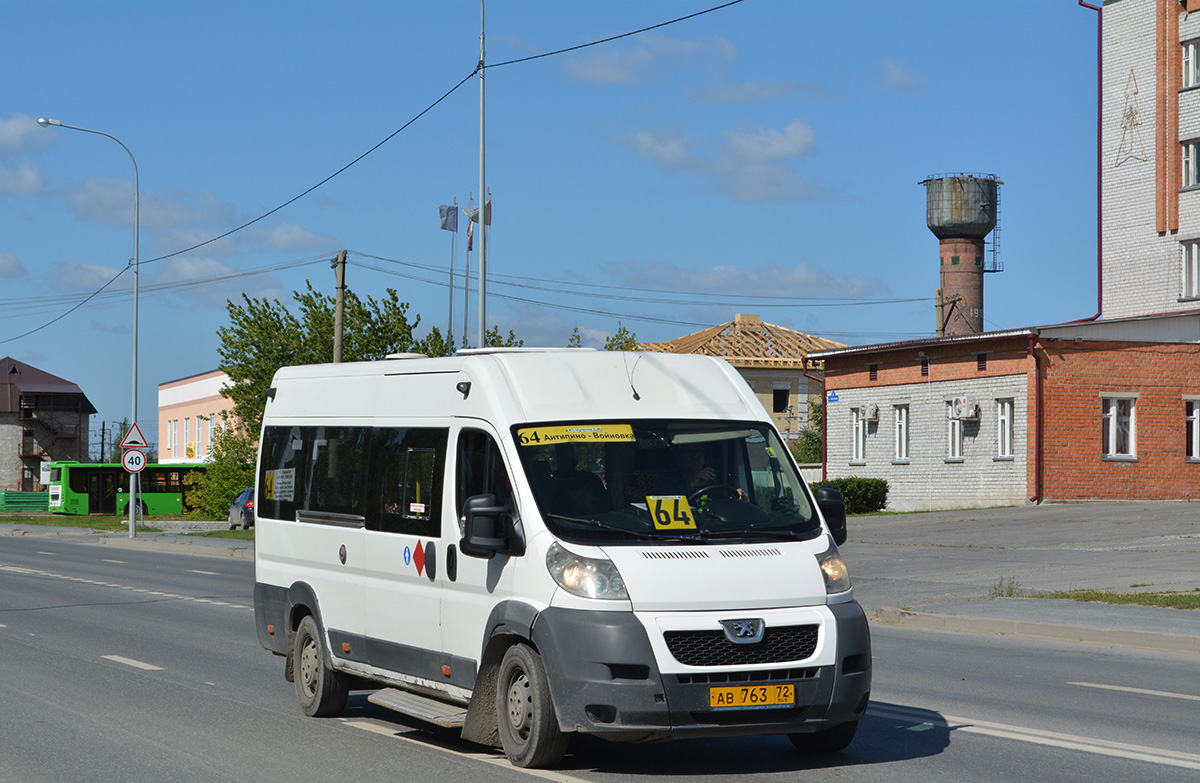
[1037,422]
[1099,169]
[824,419]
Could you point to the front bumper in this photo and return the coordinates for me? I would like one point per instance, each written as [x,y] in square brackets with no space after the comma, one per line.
[605,680]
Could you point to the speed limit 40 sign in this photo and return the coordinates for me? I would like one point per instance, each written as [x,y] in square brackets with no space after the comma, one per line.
[133,460]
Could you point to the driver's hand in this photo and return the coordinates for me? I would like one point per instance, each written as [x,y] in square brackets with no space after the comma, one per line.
[703,478]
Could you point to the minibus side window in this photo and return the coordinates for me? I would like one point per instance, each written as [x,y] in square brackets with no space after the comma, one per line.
[284,453]
[481,470]
[410,467]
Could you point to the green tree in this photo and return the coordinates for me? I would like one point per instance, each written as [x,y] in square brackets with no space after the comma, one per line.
[807,446]
[623,340]
[230,471]
[576,340]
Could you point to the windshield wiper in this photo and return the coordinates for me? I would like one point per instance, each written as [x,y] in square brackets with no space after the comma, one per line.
[645,534]
[777,533]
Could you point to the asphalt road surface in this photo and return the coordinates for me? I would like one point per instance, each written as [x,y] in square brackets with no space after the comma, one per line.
[133,665]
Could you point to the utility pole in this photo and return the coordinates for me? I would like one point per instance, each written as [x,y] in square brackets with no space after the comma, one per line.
[339,267]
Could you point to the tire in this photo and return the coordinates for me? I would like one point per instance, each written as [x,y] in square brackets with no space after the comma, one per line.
[322,692]
[826,741]
[529,729]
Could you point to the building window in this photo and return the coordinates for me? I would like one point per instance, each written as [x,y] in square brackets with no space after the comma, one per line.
[859,451]
[1191,63]
[1118,428]
[779,400]
[212,430]
[981,361]
[1191,269]
[1191,157]
[873,371]
[924,368]
[1004,428]
[954,434]
[1192,413]
[901,432]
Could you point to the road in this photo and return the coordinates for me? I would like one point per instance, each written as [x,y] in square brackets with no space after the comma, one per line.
[134,665]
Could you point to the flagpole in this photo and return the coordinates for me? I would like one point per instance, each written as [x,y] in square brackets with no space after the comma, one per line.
[467,279]
[450,315]
[482,199]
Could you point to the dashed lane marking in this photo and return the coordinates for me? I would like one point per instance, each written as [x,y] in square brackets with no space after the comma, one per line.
[1171,758]
[1142,691]
[127,588]
[148,667]
[486,758]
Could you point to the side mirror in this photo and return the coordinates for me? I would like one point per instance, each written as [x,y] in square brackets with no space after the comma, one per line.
[484,527]
[833,508]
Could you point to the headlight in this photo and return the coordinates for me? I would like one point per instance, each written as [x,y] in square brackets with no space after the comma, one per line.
[833,568]
[586,577]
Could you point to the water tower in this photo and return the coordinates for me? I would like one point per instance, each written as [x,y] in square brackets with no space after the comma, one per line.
[960,210]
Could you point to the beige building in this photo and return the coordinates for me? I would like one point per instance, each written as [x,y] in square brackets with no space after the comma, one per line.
[771,358]
[189,411]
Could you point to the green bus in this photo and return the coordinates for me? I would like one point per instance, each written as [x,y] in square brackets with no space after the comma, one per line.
[103,488]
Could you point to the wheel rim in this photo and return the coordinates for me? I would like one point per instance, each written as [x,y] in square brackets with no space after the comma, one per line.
[519,709]
[308,666]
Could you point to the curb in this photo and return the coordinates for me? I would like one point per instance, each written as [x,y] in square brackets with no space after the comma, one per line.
[1111,637]
[240,552]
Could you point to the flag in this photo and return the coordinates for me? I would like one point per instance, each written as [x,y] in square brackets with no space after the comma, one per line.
[473,214]
[449,217]
[470,233]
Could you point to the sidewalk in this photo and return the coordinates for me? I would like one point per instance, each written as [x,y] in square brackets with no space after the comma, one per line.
[939,570]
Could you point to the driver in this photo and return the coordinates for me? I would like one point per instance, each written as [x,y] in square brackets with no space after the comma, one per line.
[690,459]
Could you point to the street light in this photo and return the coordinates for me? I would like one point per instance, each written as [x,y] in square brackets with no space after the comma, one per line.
[134,478]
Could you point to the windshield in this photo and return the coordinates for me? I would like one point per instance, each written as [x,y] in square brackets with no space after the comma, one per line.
[665,481]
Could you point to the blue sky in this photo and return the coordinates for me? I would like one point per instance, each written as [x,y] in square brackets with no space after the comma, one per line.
[763,158]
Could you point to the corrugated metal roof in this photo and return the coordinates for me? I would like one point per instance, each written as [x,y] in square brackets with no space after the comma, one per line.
[17,378]
[748,341]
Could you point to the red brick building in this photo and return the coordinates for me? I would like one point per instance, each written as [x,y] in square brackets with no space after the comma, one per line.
[1084,411]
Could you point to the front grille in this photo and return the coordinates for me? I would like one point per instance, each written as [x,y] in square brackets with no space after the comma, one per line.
[713,648]
[739,678]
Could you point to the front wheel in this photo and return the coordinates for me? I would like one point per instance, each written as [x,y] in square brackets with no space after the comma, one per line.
[529,729]
[322,691]
[832,740]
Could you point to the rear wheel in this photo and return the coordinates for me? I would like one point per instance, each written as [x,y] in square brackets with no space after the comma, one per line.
[529,728]
[832,740]
[322,692]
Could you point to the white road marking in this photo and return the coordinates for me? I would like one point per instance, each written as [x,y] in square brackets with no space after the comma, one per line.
[206,573]
[129,588]
[149,667]
[1171,758]
[486,758]
[1142,691]
[119,562]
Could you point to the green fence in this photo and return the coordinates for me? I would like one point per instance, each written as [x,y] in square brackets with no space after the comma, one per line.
[24,501]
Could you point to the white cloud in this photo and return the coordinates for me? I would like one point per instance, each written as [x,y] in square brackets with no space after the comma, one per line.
[753,165]
[756,144]
[644,57]
[897,76]
[89,277]
[669,148]
[25,179]
[110,201]
[291,237]
[757,92]
[800,281]
[11,266]
[22,132]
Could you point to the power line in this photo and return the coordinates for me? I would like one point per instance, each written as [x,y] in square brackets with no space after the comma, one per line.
[395,133]
[613,38]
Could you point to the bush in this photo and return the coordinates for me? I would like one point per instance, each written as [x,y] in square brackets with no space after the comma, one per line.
[862,495]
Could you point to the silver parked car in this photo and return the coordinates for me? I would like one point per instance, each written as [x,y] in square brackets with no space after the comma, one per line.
[241,511]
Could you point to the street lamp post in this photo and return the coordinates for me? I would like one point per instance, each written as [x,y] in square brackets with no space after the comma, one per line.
[134,478]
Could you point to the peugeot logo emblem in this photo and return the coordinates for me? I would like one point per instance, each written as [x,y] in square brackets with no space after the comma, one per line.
[744,631]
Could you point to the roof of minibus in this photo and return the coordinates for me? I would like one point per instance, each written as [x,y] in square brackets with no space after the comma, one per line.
[510,386]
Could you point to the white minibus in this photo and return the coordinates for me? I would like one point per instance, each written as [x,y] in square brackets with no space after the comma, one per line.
[532,543]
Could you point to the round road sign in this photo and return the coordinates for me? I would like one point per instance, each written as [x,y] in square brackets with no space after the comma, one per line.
[133,460]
